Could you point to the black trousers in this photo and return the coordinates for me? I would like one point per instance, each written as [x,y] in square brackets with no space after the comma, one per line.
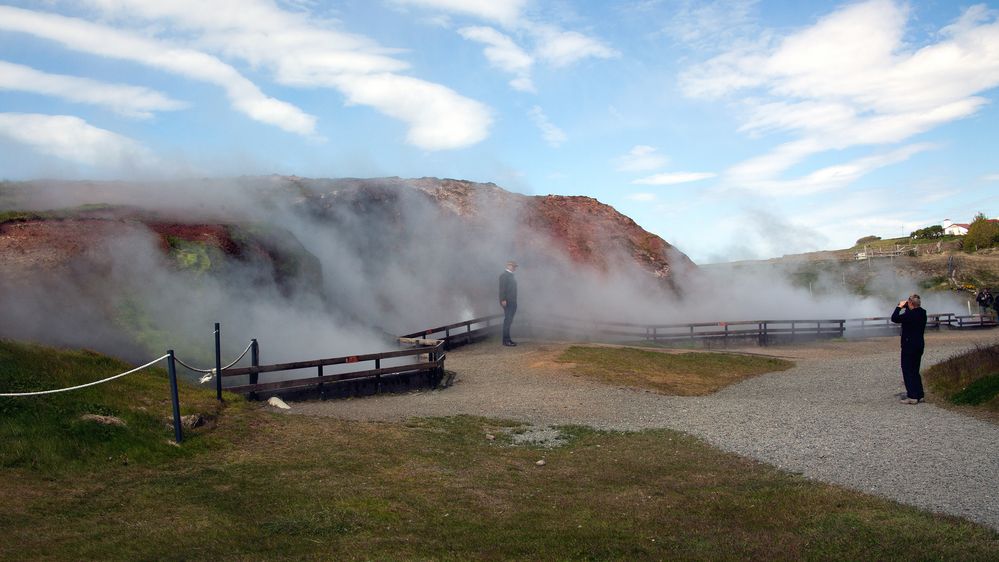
[508,312]
[911,357]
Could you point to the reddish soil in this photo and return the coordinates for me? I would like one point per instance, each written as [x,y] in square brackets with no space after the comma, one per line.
[36,246]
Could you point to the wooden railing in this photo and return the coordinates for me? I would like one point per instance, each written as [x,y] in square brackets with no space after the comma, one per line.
[884,323]
[461,333]
[433,367]
[763,331]
[441,338]
[974,321]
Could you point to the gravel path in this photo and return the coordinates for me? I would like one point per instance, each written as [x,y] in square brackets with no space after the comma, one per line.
[834,417]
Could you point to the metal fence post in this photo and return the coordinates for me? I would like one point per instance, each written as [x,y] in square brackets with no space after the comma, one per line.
[172,372]
[254,362]
[218,362]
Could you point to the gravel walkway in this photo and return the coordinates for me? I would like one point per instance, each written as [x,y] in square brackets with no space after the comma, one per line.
[834,417]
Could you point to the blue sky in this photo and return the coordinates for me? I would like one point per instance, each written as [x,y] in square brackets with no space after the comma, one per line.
[733,129]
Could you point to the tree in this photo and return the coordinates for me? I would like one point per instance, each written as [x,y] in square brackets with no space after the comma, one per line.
[982,233]
[867,240]
[935,231]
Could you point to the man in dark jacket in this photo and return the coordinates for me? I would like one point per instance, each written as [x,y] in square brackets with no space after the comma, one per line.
[508,299]
[985,301]
[913,320]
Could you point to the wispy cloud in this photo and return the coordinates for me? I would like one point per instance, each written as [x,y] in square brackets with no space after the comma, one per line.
[839,175]
[506,12]
[130,101]
[991,177]
[73,139]
[564,48]
[705,24]
[641,158]
[504,54]
[307,52]
[851,79]
[672,178]
[102,40]
[551,44]
[552,134]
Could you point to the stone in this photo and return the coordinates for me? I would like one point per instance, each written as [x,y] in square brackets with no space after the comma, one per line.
[278,403]
[490,436]
[541,462]
[192,421]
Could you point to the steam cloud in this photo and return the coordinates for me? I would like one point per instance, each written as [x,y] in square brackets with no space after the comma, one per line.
[372,259]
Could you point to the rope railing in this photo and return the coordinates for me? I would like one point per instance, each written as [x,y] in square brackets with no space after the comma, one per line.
[79,386]
[210,373]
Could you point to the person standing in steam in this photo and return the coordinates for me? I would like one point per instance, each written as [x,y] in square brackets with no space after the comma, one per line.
[508,299]
[913,320]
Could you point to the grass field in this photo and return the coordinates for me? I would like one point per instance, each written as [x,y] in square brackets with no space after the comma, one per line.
[256,485]
[969,380]
[678,374]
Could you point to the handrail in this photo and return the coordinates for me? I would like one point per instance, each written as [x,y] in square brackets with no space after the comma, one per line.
[328,361]
[433,364]
[478,320]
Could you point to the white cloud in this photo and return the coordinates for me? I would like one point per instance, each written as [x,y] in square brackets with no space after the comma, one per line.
[308,52]
[644,197]
[672,178]
[851,79]
[564,48]
[504,54]
[106,41]
[641,158]
[73,139]
[130,101]
[552,134]
[991,177]
[438,117]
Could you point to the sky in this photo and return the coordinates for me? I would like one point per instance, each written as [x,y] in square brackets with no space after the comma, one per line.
[734,129]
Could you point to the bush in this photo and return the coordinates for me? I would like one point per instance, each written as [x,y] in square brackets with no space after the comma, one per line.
[867,240]
[982,233]
[935,231]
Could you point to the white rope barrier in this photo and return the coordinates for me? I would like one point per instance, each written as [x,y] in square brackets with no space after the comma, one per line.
[151,363]
[210,373]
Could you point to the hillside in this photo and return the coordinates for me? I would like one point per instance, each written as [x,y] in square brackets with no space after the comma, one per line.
[313,265]
[939,266]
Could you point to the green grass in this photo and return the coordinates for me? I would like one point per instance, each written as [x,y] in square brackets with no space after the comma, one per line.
[906,241]
[969,379]
[14,216]
[260,486]
[681,374]
[46,433]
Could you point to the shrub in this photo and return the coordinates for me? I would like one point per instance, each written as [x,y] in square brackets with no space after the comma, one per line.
[935,231]
[982,233]
[867,240]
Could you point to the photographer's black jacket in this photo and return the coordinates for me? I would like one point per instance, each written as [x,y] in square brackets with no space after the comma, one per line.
[913,321]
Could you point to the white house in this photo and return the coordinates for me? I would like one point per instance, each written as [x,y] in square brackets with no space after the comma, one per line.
[956,229]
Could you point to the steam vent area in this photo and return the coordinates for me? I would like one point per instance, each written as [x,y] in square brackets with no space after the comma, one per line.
[322,282]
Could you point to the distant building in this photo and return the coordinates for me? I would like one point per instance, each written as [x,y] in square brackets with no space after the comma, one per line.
[956,229]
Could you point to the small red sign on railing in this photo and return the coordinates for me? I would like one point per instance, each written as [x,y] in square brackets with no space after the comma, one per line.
[352,359]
